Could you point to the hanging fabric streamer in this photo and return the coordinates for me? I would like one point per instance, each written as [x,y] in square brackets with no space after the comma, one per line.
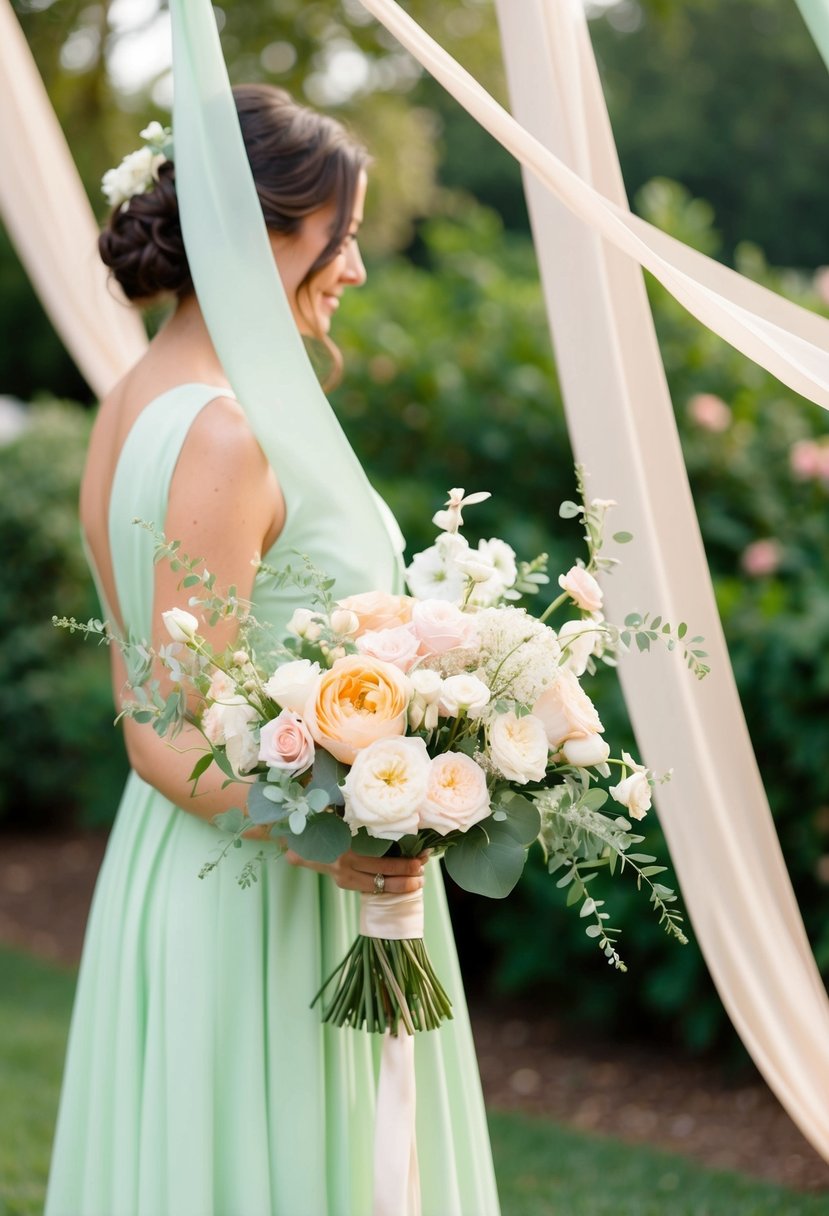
[789,341]
[48,215]
[621,421]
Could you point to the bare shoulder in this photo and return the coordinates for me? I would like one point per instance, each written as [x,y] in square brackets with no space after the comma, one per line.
[222,471]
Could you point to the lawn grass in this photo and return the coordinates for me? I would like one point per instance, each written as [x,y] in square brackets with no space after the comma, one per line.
[543,1169]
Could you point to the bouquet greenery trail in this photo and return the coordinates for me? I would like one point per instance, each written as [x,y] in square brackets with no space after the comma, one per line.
[450,720]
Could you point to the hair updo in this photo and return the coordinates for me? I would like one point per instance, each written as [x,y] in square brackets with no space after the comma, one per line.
[300,160]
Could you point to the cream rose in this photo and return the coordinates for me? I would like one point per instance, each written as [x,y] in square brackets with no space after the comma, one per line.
[293,683]
[386,786]
[519,747]
[358,701]
[440,626]
[634,793]
[397,645]
[457,796]
[286,743]
[566,710]
[182,626]
[582,588]
[378,609]
[463,693]
[586,751]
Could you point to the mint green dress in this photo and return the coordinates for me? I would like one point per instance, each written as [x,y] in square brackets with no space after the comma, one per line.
[198,1081]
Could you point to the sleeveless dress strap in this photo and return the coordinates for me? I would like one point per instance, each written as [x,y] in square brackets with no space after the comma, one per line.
[140,489]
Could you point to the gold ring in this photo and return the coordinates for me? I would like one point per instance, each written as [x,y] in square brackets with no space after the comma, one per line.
[379,884]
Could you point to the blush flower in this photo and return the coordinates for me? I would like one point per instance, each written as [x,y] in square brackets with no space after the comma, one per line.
[440,626]
[566,710]
[378,610]
[398,646]
[582,588]
[285,743]
[457,796]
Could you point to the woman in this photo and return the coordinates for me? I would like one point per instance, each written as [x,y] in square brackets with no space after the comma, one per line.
[198,1081]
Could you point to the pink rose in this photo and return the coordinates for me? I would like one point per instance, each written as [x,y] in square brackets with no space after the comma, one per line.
[582,588]
[807,459]
[457,796]
[398,645]
[286,743]
[378,609]
[440,626]
[709,412]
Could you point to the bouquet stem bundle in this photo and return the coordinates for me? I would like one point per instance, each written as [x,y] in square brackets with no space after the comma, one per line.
[387,979]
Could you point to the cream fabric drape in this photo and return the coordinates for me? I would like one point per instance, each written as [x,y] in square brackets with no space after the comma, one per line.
[621,421]
[724,846]
[50,221]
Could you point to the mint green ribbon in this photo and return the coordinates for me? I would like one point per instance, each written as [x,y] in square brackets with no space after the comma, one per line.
[244,303]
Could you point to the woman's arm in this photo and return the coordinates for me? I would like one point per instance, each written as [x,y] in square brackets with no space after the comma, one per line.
[225,506]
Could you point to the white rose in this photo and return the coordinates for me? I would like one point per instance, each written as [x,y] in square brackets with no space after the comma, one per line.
[182,626]
[634,793]
[582,588]
[398,646]
[440,625]
[578,641]
[566,710]
[386,787]
[457,796]
[463,692]
[519,747]
[227,723]
[292,684]
[586,751]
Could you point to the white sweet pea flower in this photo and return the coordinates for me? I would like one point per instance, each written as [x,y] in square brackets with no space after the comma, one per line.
[344,622]
[154,133]
[305,624]
[477,566]
[432,576]
[502,557]
[451,518]
[136,173]
[582,588]
[423,709]
[182,626]
[578,642]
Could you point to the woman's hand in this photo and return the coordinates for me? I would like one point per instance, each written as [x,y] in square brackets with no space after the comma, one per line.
[355,872]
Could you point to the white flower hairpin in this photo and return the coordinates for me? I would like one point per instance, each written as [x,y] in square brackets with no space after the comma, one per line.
[138,171]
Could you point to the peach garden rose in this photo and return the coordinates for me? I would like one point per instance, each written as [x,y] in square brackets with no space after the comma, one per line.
[457,796]
[378,610]
[358,701]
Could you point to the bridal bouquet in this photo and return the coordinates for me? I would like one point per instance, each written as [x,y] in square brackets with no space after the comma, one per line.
[450,719]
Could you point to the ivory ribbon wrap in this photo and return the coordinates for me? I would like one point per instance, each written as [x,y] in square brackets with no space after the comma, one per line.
[396,917]
[396,1173]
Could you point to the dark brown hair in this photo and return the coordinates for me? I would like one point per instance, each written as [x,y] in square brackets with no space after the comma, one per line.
[301,161]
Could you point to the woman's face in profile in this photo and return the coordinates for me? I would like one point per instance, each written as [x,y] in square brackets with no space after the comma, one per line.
[320,298]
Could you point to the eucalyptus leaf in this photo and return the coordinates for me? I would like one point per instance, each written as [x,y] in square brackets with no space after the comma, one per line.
[523,819]
[230,821]
[325,838]
[296,822]
[326,775]
[261,808]
[487,862]
[369,846]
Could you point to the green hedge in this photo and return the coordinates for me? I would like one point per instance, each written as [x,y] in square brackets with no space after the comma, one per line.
[60,759]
